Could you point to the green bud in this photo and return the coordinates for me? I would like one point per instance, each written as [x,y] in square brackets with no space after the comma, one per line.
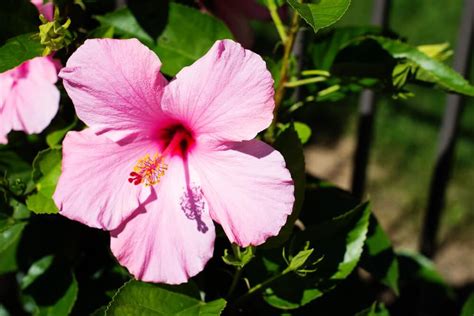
[53,34]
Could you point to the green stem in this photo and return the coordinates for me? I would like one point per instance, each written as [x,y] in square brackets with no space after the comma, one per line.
[329,90]
[285,63]
[238,271]
[311,98]
[261,286]
[297,83]
[315,72]
[235,281]
[272,7]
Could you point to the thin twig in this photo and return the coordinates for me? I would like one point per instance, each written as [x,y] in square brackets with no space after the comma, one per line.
[280,89]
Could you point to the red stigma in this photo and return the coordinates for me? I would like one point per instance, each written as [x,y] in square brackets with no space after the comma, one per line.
[135,178]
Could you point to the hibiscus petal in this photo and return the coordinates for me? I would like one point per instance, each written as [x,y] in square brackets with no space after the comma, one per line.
[116,86]
[46,9]
[173,238]
[33,99]
[226,87]
[250,192]
[93,188]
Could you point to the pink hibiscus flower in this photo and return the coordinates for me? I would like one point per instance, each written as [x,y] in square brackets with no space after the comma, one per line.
[29,99]
[161,160]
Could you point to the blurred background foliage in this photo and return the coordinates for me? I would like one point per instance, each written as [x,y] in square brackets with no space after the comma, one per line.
[406,136]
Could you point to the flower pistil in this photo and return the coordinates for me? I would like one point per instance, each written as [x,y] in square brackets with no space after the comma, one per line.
[148,170]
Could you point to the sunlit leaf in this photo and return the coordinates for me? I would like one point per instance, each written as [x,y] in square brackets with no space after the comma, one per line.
[434,70]
[418,266]
[300,259]
[379,258]
[46,171]
[321,13]
[53,292]
[35,270]
[18,50]
[337,244]
[303,131]
[138,298]
[10,232]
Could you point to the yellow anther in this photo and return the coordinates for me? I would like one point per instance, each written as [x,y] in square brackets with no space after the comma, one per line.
[148,170]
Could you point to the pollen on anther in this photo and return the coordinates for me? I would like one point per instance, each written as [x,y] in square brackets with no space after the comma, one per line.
[148,170]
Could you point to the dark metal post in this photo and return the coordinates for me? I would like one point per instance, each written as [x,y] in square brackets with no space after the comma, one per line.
[380,16]
[299,54]
[447,136]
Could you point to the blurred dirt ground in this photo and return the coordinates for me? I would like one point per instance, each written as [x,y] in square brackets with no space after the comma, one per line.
[455,257]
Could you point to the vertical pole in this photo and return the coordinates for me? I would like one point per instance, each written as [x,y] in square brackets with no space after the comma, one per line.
[447,136]
[380,17]
[299,54]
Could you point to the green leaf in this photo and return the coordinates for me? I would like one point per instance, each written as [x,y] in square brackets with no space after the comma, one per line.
[300,259]
[325,49]
[417,266]
[440,73]
[138,298]
[102,32]
[17,17]
[289,145]
[187,37]
[379,258]
[20,211]
[52,293]
[35,270]
[10,236]
[125,25]
[10,233]
[8,262]
[65,304]
[468,308]
[338,245]
[18,50]
[321,13]
[100,311]
[152,15]
[14,167]
[376,309]
[303,131]
[354,240]
[46,172]
[3,311]
[241,258]
[53,139]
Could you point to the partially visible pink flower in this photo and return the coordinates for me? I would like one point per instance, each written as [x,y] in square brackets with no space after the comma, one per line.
[46,9]
[162,160]
[237,14]
[29,98]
